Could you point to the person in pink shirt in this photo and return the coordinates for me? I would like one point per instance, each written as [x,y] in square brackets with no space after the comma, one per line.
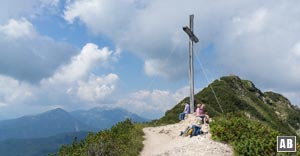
[200,111]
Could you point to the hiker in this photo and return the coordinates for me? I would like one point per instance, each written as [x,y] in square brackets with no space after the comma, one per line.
[193,130]
[196,129]
[200,112]
[185,111]
[206,118]
[205,128]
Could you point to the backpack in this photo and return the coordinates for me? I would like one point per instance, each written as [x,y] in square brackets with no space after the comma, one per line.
[188,132]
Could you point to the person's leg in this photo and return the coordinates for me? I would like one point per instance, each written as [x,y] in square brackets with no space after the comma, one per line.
[199,131]
[195,130]
[181,116]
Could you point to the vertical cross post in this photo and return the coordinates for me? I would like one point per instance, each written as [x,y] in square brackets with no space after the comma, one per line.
[193,38]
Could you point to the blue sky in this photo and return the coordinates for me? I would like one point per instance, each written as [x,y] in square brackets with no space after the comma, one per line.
[133,54]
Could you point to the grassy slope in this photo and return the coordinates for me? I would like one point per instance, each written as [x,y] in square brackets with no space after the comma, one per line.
[125,138]
[237,95]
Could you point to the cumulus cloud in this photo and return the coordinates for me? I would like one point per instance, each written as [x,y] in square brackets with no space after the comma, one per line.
[253,39]
[15,9]
[13,91]
[17,29]
[97,88]
[262,46]
[77,80]
[152,104]
[96,14]
[27,55]
[82,63]
[71,86]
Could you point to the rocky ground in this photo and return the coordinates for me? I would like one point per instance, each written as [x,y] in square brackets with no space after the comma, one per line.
[165,141]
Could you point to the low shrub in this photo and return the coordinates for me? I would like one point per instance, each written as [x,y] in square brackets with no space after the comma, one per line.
[124,139]
[248,137]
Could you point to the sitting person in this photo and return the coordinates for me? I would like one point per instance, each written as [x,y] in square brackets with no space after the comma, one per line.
[204,128]
[206,118]
[185,111]
[193,130]
[199,111]
[196,129]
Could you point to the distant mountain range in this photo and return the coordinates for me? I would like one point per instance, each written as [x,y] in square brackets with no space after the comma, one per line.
[27,134]
[42,125]
[103,118]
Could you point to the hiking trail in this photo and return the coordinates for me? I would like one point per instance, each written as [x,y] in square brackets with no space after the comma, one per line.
[165,141]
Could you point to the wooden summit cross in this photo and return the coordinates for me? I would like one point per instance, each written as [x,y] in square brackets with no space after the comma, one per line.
[193,38]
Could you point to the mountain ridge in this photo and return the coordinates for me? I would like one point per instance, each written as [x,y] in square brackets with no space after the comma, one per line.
[58,120]
[234,95]
[45,124]
[30,144]
[105,118]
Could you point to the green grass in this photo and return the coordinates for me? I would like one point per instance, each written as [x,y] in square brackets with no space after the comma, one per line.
[124,139]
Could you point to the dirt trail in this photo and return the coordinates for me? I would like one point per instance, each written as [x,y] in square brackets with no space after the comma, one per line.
[165,141]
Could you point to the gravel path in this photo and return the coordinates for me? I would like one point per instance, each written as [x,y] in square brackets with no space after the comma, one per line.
[165,141]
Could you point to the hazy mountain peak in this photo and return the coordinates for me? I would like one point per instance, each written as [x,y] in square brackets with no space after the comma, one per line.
[56,111]
[105,117]
[42,125]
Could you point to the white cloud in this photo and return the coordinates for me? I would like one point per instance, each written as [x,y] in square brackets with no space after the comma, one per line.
[295,51]
[72,86]
[16,9]
[253,24]
[49,2]
[76,79]
[27,55]
[249,38]
[254,39]
[13,91]
[152,104]
[82,63]
[97,88]
[293,96]
[96,14]
[16,29]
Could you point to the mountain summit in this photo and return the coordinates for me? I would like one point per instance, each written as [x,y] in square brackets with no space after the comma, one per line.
[237,95]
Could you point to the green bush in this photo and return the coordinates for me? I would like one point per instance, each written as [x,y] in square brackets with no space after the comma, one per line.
[124,139]
[248,137]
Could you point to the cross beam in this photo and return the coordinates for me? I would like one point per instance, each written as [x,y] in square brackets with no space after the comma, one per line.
[193,38]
